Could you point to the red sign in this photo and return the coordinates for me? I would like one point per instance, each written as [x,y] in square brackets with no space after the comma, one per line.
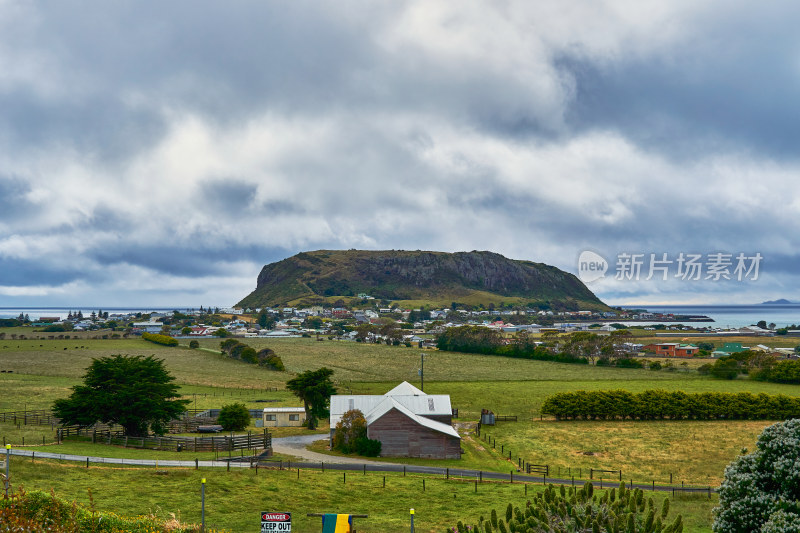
[276,517]
[272,522]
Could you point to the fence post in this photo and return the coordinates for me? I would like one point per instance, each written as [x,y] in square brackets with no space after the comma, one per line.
[8,467]
[196,463]
[203,505]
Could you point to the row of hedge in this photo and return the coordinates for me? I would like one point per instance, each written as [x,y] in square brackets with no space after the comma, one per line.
[242,352]
[166,340]
[483,340]
[672,405]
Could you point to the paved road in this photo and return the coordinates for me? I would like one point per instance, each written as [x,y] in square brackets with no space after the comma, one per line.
[328,462]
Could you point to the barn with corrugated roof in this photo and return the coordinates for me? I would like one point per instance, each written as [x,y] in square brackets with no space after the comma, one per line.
[407,422]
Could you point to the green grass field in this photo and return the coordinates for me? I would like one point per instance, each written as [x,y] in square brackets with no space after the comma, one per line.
[234,499]
[694,452]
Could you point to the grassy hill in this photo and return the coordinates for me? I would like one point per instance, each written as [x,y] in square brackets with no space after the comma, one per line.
[417,278]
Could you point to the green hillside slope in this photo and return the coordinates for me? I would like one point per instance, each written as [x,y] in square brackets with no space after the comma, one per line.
[418,277]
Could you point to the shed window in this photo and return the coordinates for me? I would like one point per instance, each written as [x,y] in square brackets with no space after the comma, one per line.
[270,418]
[294,418]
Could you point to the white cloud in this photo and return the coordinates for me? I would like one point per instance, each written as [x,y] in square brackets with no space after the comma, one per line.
[186,165]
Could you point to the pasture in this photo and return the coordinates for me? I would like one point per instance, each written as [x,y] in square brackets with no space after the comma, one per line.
[234,499]
[694,452]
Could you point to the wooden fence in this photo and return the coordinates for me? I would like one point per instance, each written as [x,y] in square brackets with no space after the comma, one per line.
[37,417]
[187,423]
[194,444]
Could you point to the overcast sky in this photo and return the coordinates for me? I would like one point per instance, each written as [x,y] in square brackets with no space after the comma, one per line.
[160,153]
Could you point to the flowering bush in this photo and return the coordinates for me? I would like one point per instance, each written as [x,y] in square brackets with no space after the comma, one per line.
[761,490]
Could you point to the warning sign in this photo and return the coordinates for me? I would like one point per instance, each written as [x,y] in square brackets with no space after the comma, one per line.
[276,522]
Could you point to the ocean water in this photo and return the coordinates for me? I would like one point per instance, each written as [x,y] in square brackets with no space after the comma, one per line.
[734,316]
[35,312]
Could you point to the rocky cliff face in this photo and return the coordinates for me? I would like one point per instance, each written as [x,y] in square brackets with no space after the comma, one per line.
[412,275]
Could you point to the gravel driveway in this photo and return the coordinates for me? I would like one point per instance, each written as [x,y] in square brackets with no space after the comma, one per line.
[296,446]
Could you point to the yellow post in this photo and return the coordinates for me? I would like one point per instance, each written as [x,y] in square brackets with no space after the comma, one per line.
[203,505]
[8,465]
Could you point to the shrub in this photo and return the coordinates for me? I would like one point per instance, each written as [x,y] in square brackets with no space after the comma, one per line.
[725,368]
[655,365]
[234,417]
[368,447]
[268,359]
[629,363]
[165,340]
[36,511]
[193,344]
[780,372]
[248,355]
[349,430]
[760,490]
[579,509]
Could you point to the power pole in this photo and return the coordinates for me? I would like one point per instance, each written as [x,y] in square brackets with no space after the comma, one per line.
[422,372]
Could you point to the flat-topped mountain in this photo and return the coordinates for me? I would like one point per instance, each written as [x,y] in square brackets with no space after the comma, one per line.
[416,277]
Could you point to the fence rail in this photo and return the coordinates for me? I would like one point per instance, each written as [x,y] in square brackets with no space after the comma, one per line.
[542,470]
[505,418]
[194,444]
[593,471]
[36,417]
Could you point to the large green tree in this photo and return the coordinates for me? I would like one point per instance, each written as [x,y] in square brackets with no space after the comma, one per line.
[315,388]
[135,392]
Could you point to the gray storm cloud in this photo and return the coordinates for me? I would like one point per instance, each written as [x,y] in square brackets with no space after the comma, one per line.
[176,149]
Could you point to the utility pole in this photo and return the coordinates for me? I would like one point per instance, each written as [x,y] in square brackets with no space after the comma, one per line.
[422,372]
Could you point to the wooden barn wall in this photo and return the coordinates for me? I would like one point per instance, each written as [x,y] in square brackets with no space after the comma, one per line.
[402,437]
